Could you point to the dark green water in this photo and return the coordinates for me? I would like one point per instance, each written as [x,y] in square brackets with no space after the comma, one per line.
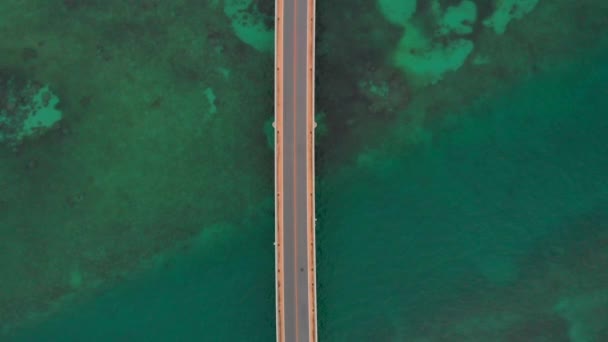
[219,290]
[447,218]
[488,222]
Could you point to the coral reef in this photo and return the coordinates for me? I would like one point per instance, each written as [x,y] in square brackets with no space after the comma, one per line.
[248,23]
[27,109]
[506,10]
[441,43]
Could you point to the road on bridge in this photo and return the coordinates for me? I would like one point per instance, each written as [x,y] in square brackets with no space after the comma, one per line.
[294,171]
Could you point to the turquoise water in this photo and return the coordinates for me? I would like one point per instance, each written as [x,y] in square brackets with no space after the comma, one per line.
[465,214]
[462,215]
[218,288]
[471,209]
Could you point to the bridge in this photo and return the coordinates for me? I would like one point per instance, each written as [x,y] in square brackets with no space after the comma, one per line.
[296,303]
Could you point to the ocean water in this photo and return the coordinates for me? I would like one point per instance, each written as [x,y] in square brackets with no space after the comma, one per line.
[471,209]
[458,222]
[218,289]
[448,223]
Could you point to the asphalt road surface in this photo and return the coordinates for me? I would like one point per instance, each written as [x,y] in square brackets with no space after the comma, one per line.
[294,127]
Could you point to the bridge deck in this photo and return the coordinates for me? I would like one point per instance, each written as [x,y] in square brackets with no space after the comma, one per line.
[294,171]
